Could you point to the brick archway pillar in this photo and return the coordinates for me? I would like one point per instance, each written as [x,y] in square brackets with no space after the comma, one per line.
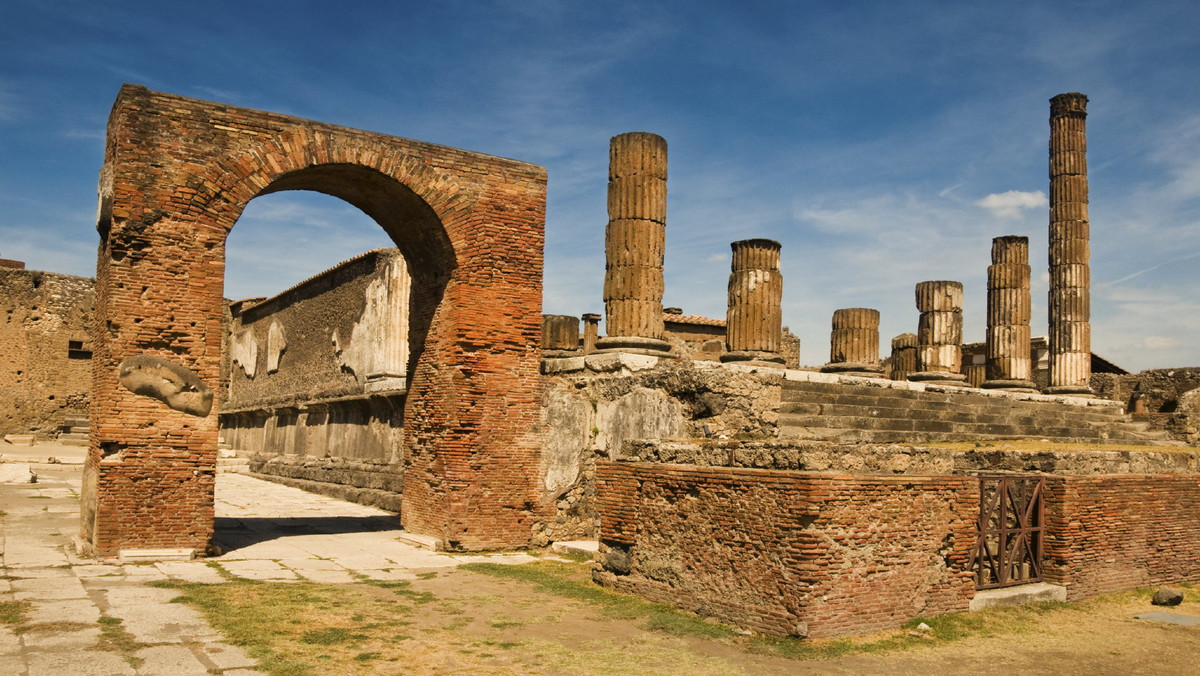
[177,174]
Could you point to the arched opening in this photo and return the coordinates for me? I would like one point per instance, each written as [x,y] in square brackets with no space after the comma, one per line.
[178,174]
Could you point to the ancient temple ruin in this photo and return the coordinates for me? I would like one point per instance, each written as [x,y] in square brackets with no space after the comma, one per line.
[716,473]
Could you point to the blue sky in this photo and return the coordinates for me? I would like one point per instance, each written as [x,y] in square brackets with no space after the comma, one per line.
[882,143]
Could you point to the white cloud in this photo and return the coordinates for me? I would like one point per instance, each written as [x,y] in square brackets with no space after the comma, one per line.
[1009,204]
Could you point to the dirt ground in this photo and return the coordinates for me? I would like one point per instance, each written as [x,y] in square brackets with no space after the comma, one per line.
[478,623]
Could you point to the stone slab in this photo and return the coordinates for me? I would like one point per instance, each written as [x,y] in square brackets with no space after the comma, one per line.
[1170,618]
[135,555]
[1038,592]
[16,473]
[576,547]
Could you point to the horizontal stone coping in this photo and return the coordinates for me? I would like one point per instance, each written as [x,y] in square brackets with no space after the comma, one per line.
[907,460]
[270,409]
[618,361]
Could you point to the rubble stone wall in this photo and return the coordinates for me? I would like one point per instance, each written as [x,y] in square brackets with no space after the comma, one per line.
[45,350]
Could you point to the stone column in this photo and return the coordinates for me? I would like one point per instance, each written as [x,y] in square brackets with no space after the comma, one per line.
[634,244]
[1008,312]
[1070,304]
[388,300]
[560,336]
[754,318]
[904,356]
[854,343]
[591,331]
[939,333]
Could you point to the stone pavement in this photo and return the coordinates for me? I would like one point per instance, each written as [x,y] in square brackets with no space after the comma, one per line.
[266,532]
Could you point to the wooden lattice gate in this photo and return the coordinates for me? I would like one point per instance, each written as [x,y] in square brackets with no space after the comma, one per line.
[1009,548]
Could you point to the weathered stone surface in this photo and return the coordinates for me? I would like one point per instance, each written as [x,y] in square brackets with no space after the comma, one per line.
[1069,311]
[1007,349]
[560,335]
[854,342]
[939,333]
[1167,597]
[753,324]
[164,380]
[635,238]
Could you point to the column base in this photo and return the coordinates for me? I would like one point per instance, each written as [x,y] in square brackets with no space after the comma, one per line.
[769,358]
[634,345]
[939,378]
[1010,385]
[850,368]
[561,354]
[1070,390]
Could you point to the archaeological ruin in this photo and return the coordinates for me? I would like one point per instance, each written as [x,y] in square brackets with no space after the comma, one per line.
[716,473]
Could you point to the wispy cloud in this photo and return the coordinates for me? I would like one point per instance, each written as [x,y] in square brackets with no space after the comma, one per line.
[1009,204]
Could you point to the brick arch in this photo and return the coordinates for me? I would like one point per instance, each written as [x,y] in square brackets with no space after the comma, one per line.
[178,173]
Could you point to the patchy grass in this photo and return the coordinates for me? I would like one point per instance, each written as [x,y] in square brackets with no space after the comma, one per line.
[564,579]
[114,639]
[12,613]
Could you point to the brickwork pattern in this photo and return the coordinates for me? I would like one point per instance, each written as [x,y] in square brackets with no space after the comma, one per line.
[789,553]
[1108,533]
[177,174]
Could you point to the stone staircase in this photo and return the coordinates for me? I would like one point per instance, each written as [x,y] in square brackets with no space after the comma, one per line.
[75,430]
[823,407]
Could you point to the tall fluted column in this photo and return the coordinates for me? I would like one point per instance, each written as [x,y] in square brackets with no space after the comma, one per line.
[939,333]
[1070,302]
[854,343]
[754,318]
[1008,312]
[904,356]
[634,244]
[560,336]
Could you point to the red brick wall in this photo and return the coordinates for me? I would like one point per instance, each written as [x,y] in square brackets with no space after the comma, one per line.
[790,552]
[177,174]
[1106,533]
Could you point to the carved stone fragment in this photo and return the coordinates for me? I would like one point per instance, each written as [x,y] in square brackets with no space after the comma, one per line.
[164,380]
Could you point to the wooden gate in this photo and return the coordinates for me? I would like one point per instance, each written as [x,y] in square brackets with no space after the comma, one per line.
[1008,550]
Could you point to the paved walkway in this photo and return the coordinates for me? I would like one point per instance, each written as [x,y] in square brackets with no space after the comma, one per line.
[266,531]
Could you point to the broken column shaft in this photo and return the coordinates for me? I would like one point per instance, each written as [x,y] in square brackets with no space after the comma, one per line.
[1008,313]
[854,343]
[560,336]
[1069,308]
[904,356]
[634,244]
[939,333]
[754,318]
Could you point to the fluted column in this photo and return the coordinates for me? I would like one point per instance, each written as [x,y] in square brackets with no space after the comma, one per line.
[1070,297]
[634,244]
[854,343]
[904,356]
[939,333]
[1008,313]
[754,318]
[560,336]
[388,302]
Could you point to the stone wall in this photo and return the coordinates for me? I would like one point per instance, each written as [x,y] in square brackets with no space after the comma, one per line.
[317,379]
[750,534]
[593,406]
[788,553]
[1106,533]
[45,350]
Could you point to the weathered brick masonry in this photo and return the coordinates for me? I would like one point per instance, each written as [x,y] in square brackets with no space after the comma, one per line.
[824,553]
[177,174]
[1106,533]
[791,553]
